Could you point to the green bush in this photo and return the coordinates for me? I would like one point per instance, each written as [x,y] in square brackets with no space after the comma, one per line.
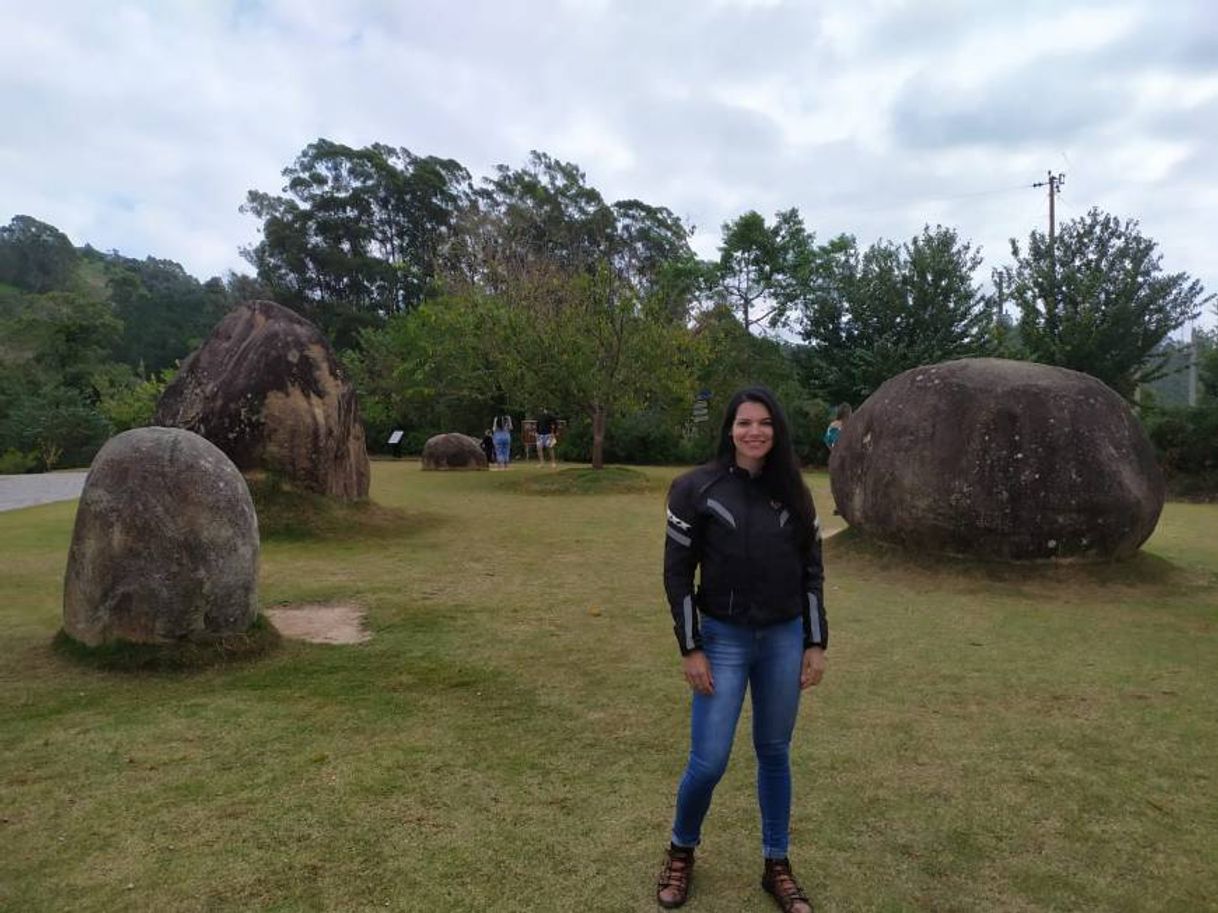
[1186,441]
[56,423]
[125,399]
[641,438]
[14,462]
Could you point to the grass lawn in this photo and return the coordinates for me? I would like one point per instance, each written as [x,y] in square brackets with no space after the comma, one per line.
[986,739]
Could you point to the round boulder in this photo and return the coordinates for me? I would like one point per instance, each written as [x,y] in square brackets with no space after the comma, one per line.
[267,389]
[453,451]
[998,459]
[165,547]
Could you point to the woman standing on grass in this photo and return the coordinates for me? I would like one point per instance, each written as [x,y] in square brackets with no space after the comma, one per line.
[756,622]
[501,437]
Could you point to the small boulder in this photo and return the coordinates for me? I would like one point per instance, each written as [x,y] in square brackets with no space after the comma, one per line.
[267,389]
[998,459]
[453,451]
[165,547]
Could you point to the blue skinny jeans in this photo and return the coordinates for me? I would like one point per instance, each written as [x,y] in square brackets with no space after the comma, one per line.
[767,661]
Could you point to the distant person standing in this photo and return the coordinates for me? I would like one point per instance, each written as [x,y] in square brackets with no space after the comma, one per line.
[501,435]
[488,447]
[839,422]
[547,438]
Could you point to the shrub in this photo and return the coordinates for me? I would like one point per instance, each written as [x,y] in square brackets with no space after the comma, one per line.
[643,438]
[1186,441]
[58,425]
[14,462]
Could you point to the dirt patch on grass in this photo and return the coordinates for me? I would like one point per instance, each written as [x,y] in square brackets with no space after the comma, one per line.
[318,623]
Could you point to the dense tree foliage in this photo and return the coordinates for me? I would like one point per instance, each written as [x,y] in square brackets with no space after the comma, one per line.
[867,317]
[763,269]
[35,256]
[359,234]
[1099,301]
[87,340]
[453,299]
[557,301]
[165,312]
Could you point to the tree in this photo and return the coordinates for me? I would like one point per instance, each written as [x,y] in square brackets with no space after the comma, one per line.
[35,257]
[62,338]
[561,300]
[53,422]
[572,342]
[725,358]
[763,269]
[125,399]
[1098,300]
[650,251]
[165,312]
[866,318]
[359,235]
[546,211]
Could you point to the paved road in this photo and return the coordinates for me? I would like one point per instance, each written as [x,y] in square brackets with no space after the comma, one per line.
[28,490]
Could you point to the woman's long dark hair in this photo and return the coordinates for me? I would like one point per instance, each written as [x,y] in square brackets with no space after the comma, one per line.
[780,472]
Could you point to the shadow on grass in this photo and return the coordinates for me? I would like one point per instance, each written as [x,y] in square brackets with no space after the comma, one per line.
[285,514]
[1141,571]
[260,640]
[587,481]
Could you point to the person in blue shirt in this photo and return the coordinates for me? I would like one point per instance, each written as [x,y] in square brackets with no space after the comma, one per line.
[839,422]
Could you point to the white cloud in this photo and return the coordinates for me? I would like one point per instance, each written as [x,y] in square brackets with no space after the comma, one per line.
[140,126]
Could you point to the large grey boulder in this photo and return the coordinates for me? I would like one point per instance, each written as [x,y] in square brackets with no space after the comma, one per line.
[998,459]
[267,389]
[453,451]
[165,547]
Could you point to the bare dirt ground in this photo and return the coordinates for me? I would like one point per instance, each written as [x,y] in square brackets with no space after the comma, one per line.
[335,623]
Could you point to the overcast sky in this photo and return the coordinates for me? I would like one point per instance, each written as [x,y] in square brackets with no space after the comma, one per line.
[140,126]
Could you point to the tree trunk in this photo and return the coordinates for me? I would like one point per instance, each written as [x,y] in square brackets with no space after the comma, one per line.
[598,436]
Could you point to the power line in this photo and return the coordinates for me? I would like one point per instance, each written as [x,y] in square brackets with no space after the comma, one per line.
[910,201]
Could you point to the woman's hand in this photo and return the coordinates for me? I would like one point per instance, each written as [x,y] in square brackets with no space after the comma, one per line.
[698,672]
[814,667]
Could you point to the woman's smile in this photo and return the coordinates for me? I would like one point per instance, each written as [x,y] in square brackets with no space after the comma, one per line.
[752,435]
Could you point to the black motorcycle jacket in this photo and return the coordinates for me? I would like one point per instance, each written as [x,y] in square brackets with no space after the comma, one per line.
[722,521]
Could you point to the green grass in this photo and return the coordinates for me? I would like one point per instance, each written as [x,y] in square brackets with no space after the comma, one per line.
[987,738]
[585,481]
[188,656]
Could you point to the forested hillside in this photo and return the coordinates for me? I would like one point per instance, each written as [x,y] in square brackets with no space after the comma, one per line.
[87,340]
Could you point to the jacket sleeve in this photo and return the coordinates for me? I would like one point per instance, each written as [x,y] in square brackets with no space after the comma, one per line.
[681,553]
[816,623]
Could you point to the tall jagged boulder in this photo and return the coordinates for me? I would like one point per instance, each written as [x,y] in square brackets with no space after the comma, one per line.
[453,451]
[267,389]
[998,459]
[165,547]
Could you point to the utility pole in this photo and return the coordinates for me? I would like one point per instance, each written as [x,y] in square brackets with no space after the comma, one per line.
[1195,343]
[1054,183]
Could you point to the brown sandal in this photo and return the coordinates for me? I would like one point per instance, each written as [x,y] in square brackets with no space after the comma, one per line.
[672,888]
[779,882]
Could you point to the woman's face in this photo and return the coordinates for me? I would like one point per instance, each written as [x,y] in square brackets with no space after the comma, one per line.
[752,433]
